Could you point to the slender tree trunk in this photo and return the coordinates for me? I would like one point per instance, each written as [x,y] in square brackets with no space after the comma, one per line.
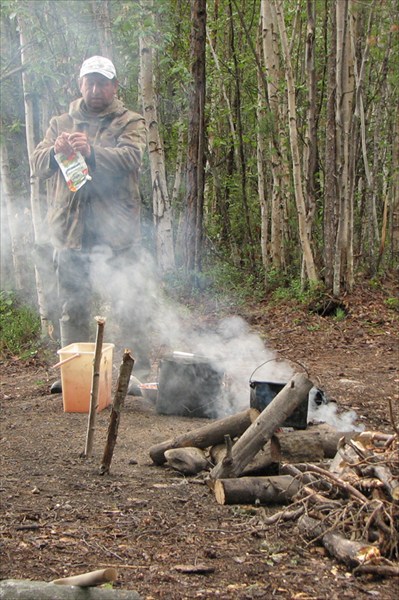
[160,196]
[44,273]
[193,216]
[100,10]
[395,193]
[310,149]
[330,180]
[343,260]
[278,157]
[262,180]
[242,168]
[12,216]
[294,142]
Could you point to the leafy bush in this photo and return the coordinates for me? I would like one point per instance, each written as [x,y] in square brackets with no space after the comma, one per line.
[19,327]
[295,291]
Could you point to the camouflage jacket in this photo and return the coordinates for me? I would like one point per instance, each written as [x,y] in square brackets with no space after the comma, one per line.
[106,210]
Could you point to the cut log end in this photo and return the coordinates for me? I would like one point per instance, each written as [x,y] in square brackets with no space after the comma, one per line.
[218,490]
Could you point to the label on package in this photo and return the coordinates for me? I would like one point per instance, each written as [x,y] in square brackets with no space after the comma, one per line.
[74,169]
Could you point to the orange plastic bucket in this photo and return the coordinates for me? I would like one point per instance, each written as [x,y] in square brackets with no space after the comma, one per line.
[76,362]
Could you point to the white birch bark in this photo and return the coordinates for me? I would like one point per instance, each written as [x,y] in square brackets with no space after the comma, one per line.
[41,238]
[294,143]
[279,160]
[161,202]
[38,227]
[11,213]
[260,160]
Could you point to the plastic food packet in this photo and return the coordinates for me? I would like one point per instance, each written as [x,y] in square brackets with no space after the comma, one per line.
[74,169]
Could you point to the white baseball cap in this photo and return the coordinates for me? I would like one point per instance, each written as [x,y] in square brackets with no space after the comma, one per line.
[98,64]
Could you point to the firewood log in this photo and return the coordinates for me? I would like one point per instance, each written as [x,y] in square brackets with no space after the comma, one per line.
[188,461]
[350,552]
[206,436]
[23,589]
[217,453]
[384,474]
[262,462]
[277,489]
[256,436]
[90,579]
[317,443]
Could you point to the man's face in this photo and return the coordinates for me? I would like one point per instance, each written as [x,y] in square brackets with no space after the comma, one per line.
[98,92]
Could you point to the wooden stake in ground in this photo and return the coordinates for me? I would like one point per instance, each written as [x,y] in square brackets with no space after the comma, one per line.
[260,432]
[95,386]
[120,395]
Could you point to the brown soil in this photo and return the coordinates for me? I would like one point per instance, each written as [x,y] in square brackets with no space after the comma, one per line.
[60,517]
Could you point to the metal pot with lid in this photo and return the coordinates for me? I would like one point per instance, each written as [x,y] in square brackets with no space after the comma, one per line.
[189,385]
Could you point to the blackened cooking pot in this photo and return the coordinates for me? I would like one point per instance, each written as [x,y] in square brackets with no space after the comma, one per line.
[189,386]
[262,394]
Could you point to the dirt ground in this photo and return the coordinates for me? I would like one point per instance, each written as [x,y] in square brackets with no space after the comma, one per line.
[165,533]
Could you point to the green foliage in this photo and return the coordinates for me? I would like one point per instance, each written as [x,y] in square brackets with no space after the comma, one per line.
[19,326]
[340,314]
[393,303]
[227,279]
[294,290]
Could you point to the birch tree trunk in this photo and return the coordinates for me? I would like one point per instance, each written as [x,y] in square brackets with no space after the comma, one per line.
[371,171]
[13,221]
[310,148]
[278,157]
[262,181]
[44,274]
[162,210]
[294,143]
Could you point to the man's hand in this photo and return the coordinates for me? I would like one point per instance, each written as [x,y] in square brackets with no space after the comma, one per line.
[62,144]
[80,143]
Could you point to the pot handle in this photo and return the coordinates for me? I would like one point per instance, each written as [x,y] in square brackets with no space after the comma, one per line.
[273,359]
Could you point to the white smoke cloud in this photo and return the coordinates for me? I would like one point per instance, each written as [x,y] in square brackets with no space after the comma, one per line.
[328,413]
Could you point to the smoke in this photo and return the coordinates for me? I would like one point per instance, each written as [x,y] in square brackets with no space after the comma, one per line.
[328,413]
[140,316]
[150,323]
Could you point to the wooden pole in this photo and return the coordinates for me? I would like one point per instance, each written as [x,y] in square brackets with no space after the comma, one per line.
[260,432]
[117,405]
[95,386]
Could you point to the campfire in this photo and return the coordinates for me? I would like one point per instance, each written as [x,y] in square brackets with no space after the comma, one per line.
[340,488]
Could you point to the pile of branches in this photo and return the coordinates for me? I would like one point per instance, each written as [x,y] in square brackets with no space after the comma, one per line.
[352,507]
